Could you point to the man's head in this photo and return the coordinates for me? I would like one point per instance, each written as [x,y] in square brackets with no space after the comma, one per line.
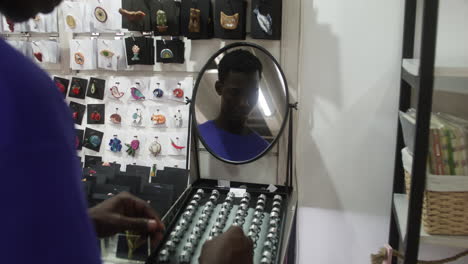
[22,10]
[239,73]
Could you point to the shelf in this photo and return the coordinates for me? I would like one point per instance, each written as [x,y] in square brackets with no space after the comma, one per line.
[446,69]
[400,202]
[449,76]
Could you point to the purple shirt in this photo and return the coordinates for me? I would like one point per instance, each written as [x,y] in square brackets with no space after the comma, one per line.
[44,217]
[232,146]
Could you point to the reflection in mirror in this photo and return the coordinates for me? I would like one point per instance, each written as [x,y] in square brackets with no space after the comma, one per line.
[240,104]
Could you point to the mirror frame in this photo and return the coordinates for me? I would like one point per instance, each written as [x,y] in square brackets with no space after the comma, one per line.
[194,97]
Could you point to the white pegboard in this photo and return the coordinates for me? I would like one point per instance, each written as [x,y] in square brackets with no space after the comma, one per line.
[197,53]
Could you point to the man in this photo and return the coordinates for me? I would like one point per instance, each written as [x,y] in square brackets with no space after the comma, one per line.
[239,73]
[43,211]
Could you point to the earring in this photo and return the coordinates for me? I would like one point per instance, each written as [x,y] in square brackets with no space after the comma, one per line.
[100,14]
[79,58]
[137,117]
[115,91]
[136,51]
[158,92]
[133,147]
[60,86]
[167,54]
[155,148]
[178,92]
[77,142]
[161,21]
[194,24]
[76,88]
[265,22]
[96,116]
[11,24]
[116,118]
[229,22]
[158,119]
[137,94]
[93,88]
[38,56]
[71,22]
[115,144]
[178,120]
[106,53]
[153,170]
[175,145]
[132,16]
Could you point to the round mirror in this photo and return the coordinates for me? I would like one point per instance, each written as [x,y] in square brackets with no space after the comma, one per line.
[240,103]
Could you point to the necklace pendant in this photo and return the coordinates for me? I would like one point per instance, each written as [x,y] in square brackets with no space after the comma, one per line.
[229,22]
[136,52]
[194,22]
[161,21]
[100,14]
[79,58]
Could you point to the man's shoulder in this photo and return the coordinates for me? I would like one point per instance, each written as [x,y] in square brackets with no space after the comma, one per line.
[207,126]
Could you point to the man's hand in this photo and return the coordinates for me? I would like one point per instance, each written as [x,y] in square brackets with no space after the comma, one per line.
[125,212]
[232,247]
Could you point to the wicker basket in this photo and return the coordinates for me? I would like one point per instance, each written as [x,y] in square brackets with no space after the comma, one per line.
[444,213]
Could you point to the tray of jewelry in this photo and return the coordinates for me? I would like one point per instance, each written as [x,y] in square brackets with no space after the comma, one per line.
[208,212]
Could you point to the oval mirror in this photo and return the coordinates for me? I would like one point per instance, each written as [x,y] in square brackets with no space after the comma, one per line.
[240,103]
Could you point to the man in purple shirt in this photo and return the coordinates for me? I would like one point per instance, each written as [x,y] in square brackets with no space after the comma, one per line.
[239,73]
[43,210]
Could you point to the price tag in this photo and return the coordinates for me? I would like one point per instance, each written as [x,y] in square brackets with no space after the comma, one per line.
[238,192]
[271,188]
[224,183]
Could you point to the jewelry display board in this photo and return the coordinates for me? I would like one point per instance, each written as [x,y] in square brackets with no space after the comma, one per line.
[128,104]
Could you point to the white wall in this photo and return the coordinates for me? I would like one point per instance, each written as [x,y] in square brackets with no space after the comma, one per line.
[347,127]
[347,124]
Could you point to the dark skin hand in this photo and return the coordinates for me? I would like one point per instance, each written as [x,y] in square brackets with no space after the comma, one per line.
[125,212]
[232,247]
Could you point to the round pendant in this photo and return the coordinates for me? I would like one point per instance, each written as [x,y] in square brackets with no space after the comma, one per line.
[179,93]
[158,93]
[100,14]
[167,54]
[95,141]
[71,22]
[79,58]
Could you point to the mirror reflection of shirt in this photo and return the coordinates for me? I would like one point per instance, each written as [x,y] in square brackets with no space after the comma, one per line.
[230,146]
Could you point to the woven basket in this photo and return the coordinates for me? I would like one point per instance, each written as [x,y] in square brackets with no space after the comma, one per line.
[444,213]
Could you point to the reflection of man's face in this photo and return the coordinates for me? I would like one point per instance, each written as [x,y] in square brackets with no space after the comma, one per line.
[239,95]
